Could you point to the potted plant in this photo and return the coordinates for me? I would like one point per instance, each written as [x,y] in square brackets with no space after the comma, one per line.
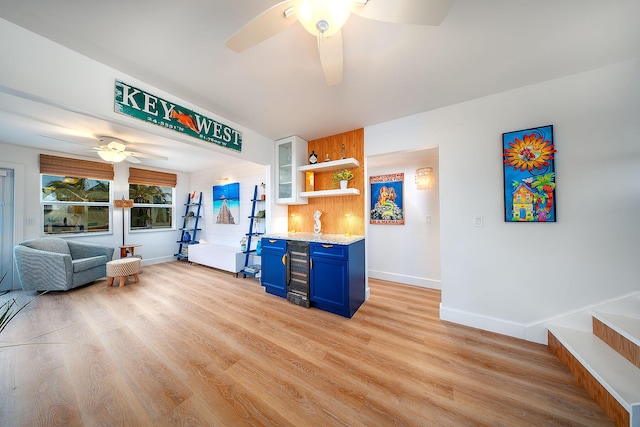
[342,176]
[9,309]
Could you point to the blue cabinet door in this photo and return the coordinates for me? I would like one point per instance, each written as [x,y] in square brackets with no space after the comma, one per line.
[337,277]
[274,277]
[329,278]
[329,287]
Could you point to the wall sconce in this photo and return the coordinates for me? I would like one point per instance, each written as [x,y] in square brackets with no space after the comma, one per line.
[425,178]
[293,223]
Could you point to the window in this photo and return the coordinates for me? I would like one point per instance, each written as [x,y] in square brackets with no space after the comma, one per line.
[75,205]
[75,195]
[153,194]
[152,207]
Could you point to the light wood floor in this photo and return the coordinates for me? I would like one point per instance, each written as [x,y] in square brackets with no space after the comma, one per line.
[190,345]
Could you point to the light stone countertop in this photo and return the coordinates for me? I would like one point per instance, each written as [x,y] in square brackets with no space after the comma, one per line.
[336,239]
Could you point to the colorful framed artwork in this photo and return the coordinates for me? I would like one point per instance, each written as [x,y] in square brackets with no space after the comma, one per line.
[387,199]
[226,203]
[529,175]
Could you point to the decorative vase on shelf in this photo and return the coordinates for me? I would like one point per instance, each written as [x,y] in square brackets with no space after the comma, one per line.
[313,158]
[343,184]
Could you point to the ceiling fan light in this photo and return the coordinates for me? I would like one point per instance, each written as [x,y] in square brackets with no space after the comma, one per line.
[111,156]
[118,157]
[116,146]
[324,17]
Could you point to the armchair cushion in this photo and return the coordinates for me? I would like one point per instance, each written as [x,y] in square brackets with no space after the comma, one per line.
[55,264]
[87,263]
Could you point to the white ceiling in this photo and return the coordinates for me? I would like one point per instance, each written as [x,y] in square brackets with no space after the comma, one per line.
[277,88]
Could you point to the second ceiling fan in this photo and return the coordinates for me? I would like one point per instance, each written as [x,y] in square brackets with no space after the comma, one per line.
[325,18]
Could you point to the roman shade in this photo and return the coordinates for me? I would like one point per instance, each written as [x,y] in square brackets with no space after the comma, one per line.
[63,166]
[147,177]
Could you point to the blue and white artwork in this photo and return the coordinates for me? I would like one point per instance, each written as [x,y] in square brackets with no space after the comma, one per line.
[226,203]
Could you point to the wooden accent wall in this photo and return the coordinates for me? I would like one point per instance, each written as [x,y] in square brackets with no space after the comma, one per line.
[334,208]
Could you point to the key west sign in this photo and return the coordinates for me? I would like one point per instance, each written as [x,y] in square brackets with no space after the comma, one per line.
[137,103]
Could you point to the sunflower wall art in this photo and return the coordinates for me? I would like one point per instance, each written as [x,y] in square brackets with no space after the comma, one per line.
[529,175]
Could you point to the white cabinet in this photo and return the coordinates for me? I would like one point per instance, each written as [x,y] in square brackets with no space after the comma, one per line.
[291,153]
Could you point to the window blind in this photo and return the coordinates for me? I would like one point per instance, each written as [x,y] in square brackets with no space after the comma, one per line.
[63,166]
[147,177]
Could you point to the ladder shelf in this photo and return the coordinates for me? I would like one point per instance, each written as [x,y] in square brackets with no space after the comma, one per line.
[254,218]
[189,227]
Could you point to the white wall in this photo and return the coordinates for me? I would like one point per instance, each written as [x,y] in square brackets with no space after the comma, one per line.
[60,76]
[513,277]
[248,175]
[414,256]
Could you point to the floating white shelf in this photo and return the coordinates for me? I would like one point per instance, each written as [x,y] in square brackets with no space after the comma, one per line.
[328,193]
[330,166]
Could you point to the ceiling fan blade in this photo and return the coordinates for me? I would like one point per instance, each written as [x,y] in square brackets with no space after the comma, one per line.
[263,26]
[132,159]
[73,139]
[419,12]
[145,155]
[330,50]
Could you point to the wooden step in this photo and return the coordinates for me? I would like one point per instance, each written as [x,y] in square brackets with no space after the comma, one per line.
[622,333]
[607,376]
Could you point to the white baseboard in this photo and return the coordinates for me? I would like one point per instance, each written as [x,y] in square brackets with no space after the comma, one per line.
[505,327]
[159,260]
[534,331]
[403,278]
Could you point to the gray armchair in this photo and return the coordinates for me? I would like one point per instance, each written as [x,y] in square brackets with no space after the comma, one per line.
[54,264]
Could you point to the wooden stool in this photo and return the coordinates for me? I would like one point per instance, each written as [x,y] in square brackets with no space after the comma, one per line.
[123,267]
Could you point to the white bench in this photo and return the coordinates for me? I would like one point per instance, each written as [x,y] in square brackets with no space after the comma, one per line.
[228,258]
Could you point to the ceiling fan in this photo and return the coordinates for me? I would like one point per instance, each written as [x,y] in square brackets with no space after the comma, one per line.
[325,18]
[109,148]
[115,150]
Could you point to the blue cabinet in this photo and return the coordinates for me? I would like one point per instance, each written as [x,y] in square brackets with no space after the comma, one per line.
[274,274]
[337,277]
[336,273]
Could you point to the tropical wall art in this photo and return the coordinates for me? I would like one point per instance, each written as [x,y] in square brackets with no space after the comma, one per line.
[529,175]
[386,199]
[226,203]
